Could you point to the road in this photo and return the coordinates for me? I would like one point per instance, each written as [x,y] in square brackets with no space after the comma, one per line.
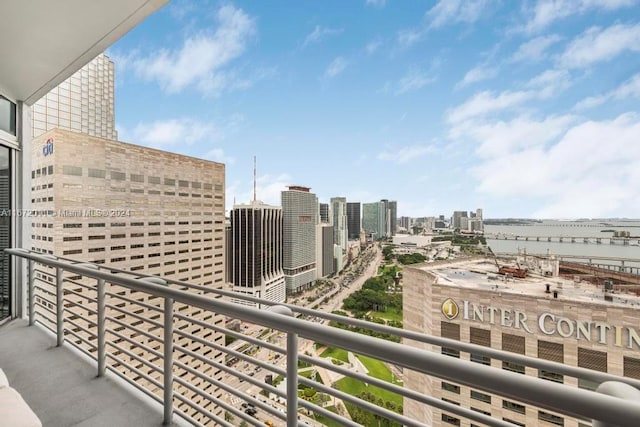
[335,299]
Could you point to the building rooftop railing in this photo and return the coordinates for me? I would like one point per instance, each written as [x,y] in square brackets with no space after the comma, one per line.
[165,338]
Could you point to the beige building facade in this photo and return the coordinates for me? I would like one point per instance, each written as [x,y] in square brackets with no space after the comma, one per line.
[138,209]
[85,102]
[574,323]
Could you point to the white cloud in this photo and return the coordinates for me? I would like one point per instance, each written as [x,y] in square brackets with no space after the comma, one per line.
[535,49]
[564,164]
[487,102]
[629,89]
[544,85]
[337,66]
[218,155]
[406,154]
[376,3]
[171,132]
[415,79]
[320,33]
[597,45]
[546,12]
[452,11]
[477,74]
[203,59]
[503,137]
[409,37]
[372,46]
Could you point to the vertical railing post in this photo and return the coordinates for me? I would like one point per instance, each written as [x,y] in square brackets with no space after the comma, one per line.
[59,307]
[292,379]
[292,369]
[101,329]
[32,297]
[168,361]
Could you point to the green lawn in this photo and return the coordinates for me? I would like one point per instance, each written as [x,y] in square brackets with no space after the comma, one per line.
[355,387]
[389,314]
[336,353]
[327,421]
[307,374]
[376,368]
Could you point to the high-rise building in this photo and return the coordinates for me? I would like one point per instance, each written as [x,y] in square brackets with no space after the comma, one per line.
[324,250]
[137,209]
[256,252]
[393,217]
[374,219]
[479,214]
[406,222]
[550,318]
[354,223]
[83,103]
[324,213]
[339,221]
[456,219]
[299,217]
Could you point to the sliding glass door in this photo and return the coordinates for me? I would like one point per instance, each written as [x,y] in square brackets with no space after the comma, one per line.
[5,232]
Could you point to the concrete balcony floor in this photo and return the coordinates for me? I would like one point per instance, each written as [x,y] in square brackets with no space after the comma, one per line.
[61,386]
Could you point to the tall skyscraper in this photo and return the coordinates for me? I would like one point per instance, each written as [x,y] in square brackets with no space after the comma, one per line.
[457,221]
[374,219]
[324,213]
[138,209]
[324,250]
[393,217]
[300,217]
[82,103]
[256,252]
[354,223]
[339,221]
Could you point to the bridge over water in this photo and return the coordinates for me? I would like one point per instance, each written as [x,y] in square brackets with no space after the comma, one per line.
[625,241]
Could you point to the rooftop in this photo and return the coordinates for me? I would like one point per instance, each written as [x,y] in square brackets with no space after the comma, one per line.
[482,274]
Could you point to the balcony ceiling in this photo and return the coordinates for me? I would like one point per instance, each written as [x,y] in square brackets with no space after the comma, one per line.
[43,42]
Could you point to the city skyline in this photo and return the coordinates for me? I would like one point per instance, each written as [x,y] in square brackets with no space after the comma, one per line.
[525,109]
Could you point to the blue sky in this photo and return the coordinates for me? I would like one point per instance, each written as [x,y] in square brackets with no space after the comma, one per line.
[526,109]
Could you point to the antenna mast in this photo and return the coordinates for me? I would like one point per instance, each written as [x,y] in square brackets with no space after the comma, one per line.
[254,178]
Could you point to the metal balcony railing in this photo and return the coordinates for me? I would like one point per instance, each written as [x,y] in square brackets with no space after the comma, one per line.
[164,337]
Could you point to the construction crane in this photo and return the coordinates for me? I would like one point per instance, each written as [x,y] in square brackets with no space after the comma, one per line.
[518,272]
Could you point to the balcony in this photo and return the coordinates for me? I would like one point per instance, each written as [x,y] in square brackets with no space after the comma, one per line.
[109,347]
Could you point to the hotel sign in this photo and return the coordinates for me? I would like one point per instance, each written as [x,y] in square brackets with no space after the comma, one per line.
[546,323]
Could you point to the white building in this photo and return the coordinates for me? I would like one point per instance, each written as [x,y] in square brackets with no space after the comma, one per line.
[300,217]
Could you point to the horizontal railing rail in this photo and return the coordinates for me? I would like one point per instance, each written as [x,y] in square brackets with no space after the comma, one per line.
[162,335]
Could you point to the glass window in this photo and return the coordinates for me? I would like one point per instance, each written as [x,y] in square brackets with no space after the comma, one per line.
[513,406]
[5,232]
[7,115]
[550,418]
[72,170]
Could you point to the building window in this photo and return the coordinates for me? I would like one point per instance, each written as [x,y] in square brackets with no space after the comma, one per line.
[591,359]
[631,367]
[169,181]
[514,422]
[7,116]
[118,176]
[153,180]
[96,173]
[72,170]
[513,406]
[137,178]
[513,367]
[480,337]
[480,396]
[551,351]
[550,418]
[450,420]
